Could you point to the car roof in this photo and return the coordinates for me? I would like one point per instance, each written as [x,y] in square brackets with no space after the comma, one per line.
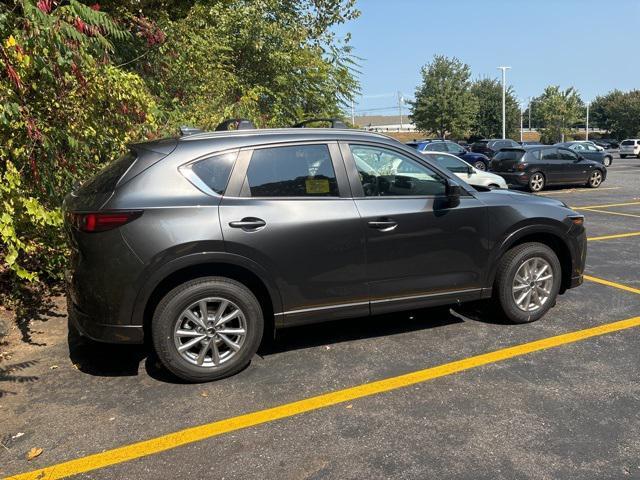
[240,138]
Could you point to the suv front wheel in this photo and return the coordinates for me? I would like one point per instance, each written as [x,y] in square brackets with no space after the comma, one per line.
[527,282]
[207,329]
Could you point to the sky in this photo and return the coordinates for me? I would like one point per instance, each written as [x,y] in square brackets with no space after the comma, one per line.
[590,45]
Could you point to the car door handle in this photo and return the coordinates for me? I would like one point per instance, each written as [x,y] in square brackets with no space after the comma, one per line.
[383,225]
[248,223]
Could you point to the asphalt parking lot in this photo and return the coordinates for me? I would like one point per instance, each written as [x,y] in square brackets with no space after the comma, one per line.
[559,408]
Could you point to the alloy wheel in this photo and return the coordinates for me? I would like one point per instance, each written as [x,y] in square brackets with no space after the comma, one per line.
[210,332]
[480,166]
[532,284]
[595,179]
[536,182]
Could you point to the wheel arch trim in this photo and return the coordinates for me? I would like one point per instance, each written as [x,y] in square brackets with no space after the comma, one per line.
[154,279]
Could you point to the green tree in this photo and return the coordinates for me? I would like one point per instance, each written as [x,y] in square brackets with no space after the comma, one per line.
[488,120]
[618,112]
[80,80]
[558,111]
[443,102]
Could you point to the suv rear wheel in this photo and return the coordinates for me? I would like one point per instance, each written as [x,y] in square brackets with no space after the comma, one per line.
[207,329]
[527,282]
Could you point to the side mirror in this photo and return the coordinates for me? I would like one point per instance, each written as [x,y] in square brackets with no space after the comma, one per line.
[470,170]
[453,193]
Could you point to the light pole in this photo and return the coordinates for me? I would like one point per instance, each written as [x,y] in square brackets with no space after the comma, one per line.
[530,113]
[400,100]
[504,92]
[586,135]
[521,129]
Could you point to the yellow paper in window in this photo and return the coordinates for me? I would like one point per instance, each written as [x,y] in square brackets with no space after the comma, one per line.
[317,185]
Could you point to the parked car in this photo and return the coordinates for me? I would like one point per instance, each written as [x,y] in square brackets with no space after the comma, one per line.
[478,160]
[630,146]
[537,167]
[530,142]
[468,173]
[606,143]
[489,147]
[205,243]
[589,150]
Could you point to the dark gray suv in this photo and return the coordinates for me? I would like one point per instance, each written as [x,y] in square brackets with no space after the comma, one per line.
[202,244]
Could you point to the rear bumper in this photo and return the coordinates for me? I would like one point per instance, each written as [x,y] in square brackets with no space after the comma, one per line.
[515,178]
[101,332]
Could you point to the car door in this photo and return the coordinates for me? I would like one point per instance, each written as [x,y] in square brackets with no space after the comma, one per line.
[551,165]
[289,209]
[573,169]
[420,248]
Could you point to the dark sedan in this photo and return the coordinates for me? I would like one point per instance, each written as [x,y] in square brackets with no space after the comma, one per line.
[589,151]
[539,166]
[490,147]
[478,160]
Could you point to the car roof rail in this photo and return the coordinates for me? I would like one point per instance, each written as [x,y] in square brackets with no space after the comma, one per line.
[235,124]
[186,130]
[335,122]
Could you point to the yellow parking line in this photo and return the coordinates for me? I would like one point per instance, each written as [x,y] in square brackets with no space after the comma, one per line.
[611,237]
[608,283]
[611,213]
[577,190]
[202,432]
[605,206]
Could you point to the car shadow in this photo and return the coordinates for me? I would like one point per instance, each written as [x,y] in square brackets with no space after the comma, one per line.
[339,331]
[109,360]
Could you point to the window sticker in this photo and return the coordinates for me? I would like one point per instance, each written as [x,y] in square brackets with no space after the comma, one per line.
[315,186]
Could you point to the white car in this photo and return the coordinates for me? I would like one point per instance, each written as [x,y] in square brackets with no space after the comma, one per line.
[466,172]
[630,146]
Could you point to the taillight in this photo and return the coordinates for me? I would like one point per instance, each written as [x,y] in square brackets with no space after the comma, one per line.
[102,221]
[521,167]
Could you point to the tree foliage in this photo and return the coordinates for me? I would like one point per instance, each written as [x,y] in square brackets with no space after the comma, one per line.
[558,111]
[488,120]
[443,102]
[80,80]
[618,112]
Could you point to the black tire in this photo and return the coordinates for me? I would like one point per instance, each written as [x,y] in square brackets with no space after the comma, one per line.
[534,185]
[493,186]
[595,179]
[623,156]
[480,165]
[507,269]
[168,312]
[608,160]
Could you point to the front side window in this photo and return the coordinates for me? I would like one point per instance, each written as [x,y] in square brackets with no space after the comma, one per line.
[296,171]
[451,163]
[385,173]
[564,154]
[455,148]
[436,147]
[577,147]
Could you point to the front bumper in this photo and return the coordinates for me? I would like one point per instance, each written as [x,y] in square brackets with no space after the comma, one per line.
[100,332]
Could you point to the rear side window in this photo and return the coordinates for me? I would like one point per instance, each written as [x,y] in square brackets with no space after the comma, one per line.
[296,171]
[107,179]
[549,154]
[513,155]
[213,172]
